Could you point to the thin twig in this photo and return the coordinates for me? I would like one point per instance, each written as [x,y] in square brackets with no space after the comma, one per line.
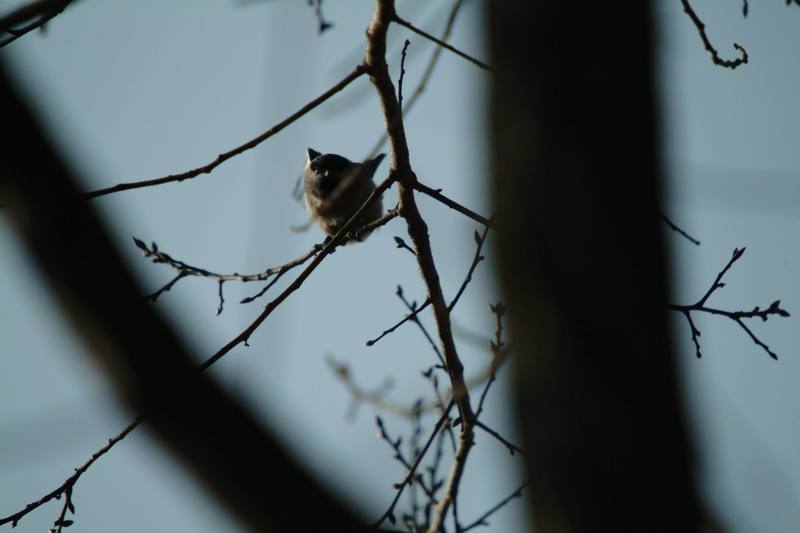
[412,306]
[368,228]
[452,204]
[678,230]
[496,348]
[70,481]
[405,319]
[477,258]
[701,29]
[479,239]
[389,514]
[185,270]
[403,245]
[511,447]
[398,454]
[700,306]
[439,42]
[42,11]
[482,520]
[221,158]
[61,522]
[402,75]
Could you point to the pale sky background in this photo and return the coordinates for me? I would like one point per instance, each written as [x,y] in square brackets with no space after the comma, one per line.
[137,90]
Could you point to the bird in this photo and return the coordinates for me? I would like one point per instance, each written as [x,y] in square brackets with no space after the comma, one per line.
[335,188]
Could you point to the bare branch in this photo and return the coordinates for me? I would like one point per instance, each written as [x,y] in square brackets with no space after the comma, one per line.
[700,306]
[389,514]
[465,443]
[452,204]
[396,18]
[678,230]
[67,486]
[426,76]
[496,347]
[701,29]
[479,240]
[41,11]
[186,270]
[241,338]
[512,448]
[482,520]
[405,319]
[412,306]
[402,75]
[221,158]
[398,455]
[368,228]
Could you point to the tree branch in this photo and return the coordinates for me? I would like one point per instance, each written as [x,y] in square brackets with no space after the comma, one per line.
[396,18]
[221,158]
[452,204]
[701,29]
[426,76]
[186,270]
[482,520]
[737,316]
[674,227]
[242,338]
[41,11]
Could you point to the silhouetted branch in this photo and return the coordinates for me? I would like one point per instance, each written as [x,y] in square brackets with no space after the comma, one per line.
[221,158]
[482,520]
[401,243]
[405,319]
[402,75]
[737,316]
[479,240]
[398,454]
[396,18]
[426,76]
[41,12]
[241,338]
[412,306]
[368,228]
[512,448]
[496,346]
[389,514]
[186,270]
[452,204]
[701,29]
[678,230]
[68,485]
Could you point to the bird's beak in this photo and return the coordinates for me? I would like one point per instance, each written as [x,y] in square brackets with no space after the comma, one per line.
[312,154]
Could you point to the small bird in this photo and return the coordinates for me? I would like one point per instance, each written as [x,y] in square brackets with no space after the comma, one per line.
[336,187]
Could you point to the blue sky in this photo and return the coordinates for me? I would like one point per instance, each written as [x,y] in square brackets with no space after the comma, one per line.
[140,90]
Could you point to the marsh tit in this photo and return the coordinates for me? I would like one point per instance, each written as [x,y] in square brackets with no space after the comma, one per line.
[336,187]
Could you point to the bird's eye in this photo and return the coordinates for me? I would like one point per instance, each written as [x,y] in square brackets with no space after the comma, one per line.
[315,169]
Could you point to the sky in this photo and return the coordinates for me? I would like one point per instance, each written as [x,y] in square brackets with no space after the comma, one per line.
[139,90]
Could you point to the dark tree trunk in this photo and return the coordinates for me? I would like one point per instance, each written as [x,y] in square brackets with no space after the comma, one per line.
[576,186]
